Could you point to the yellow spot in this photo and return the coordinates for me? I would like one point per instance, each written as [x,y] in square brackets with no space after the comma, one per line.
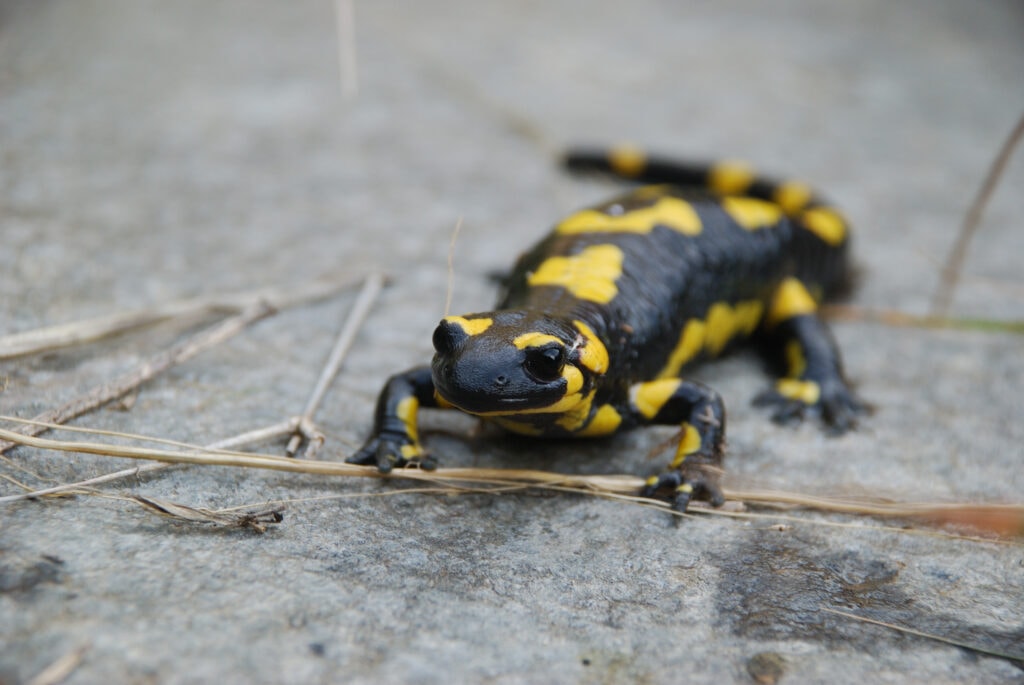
[689,444]
[411,452]
[627,161]
[807,392]
[406,412]
[670,212]
[573,379]
[791,299]
[796,364]
[590,275]
[686,488]
[793,196]
[725,322]
[652,191]
[593,354]
[442,403]
[751,213]
[534,339]
[574,419]
[471,326]
[730,178]
[605,422]
[825,223]
[568,402]
[651,482]
[690,344]
[650,397]
[519,427]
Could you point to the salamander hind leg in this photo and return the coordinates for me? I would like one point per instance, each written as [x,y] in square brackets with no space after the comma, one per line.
[814,380]
[394,441]
[695,470]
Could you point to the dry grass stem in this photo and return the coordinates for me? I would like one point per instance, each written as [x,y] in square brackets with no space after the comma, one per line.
[892,317]
[256,520]
[152,367]
[451,267]
[305,428]
[943,297]
[61,669]
[250,437]
[1008,518]
[79,332]
[1018,658]
[348,70]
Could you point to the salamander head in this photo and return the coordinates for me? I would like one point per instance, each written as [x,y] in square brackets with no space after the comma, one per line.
[512,362]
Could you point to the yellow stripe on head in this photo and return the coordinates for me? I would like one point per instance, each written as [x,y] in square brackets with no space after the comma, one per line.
[627,161]
[534,339]
[470,326]
[574,419]
[593,355]
[730,177]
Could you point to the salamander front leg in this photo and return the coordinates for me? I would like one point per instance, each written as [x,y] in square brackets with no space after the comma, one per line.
[395,438]
[696,469]
[813,369]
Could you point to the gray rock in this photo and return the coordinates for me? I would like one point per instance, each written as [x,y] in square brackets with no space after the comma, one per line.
[154,150]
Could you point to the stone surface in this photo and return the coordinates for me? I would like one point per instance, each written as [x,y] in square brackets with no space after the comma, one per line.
[155,150]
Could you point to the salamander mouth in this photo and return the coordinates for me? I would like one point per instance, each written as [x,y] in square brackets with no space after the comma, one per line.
[482,402]
[481,394]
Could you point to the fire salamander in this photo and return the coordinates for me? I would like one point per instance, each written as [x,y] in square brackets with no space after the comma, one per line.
[600,317]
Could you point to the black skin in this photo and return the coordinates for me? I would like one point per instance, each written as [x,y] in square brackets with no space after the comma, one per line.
[668,279]
[839,407]
[694,403]
[384,447]
[700,474]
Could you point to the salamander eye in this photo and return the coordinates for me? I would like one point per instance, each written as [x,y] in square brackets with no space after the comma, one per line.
[545,364]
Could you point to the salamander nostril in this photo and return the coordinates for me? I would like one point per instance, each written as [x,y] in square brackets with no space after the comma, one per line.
[501,381]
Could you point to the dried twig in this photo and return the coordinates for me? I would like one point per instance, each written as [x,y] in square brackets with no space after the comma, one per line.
[305,427]
[1018,658]
[149,369]
[256,520]
[892,317]
[943,295]
[59,670]
[348,72]
[1009,516]
[79,332]
[250,437]
[451,267]
[1001,519]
